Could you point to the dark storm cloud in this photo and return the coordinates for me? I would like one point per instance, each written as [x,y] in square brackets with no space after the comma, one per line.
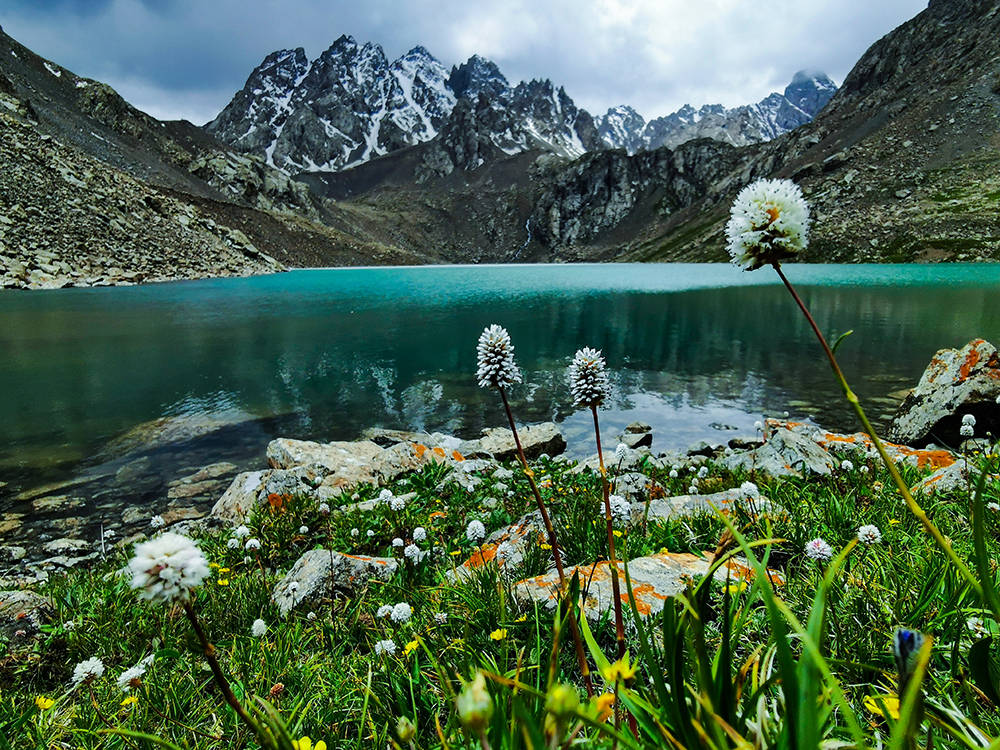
[185,58]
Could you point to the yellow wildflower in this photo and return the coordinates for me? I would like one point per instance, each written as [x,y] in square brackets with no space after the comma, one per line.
[891,702]
[223,570]
[893,521]
[223,582]
[543,545]
[499,634]
[617,533]
[602,705]
[455,552]
[44,703]
[620,670]
[130,700]
[522,618]
[213,565]
[735,588]
[410,647]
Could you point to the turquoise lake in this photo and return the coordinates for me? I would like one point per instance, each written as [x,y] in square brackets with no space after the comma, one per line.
[697,351]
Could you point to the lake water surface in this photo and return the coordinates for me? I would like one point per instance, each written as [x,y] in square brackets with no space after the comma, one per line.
[697,351]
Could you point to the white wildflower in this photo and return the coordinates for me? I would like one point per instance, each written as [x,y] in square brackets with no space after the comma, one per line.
[385,647]
[846,465]
[131,674]
[311,616]
[967,430]
[702,472]
[157,522]
[69,625]
[384,496]
[303,529]
[252,544]
[397,503]
[869,535]
[758,426]
[233,543]
[817,549]
[673,474]
[976,626]
[621,509]
[495,359]
[588,378]
[369,533]
[167,568]
[750,491]
[397,542]
[88,669]
[384,611]
[354,532]
[769,222]
[241,532]
[258,628]
[969,419]
[505,551]
[621,450]
[401,613]
[693,489]
[863,468]
[440,618]
[419,534]
[475,531]
[324,509]
[412,552]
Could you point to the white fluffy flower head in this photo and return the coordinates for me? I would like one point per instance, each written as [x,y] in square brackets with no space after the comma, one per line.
[252,544]
[869,535]
[621,509]
[817,549]
[384,611]
[258,628]
[769,222]
[967,430]
[419,534]
[88,669]
[588,378]
[157,522]
[167,568]
[969,419]
[385,647]
[401,613]
[495,359]
[750,491]
[621,451]
[412,552]
[475,531]
[130,675]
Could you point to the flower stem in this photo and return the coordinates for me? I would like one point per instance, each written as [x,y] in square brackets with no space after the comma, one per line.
[615,586]
[852,399]
[550,530]
[220,678]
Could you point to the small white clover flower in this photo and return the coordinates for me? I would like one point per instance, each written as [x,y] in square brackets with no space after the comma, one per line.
[385,647]
[673,474]
[588,378]
[384,496]
[126,678]
[440,618]
[495,359]
[87,670]
[419,534]
[750,491]
[369,533]
[258,628]
[384,611]
[702,472]
[311,616]
[863,468]
[303,529]
[969,419]
[769,222]
[324,509]
[397,542]
[241,532]
[397,503]
[967,430]
[504,551]
[976,626]
[354,532]
[110,533]
[401,613]
[817,549]
[475,531]
[157,522]
[233,543]
[252,544]
[69,625]
[621,451]
[869,535]
[993,506]
[621,509]
[167,568]
[412,552]
[692,469]
[693,489]
[846,465]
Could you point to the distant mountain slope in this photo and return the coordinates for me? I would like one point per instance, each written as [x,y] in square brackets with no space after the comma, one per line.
[803,98]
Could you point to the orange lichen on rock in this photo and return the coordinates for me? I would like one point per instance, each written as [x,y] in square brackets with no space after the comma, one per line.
[481,556]
[457,456]
[438,451]
[420,449]
[971,360]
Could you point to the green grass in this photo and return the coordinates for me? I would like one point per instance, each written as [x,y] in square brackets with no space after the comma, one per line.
[326,682]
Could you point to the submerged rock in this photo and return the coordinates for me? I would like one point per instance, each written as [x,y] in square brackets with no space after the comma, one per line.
[955,383]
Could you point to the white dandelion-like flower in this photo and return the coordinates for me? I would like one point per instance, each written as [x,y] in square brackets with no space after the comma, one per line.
[87,670]
[167,568]
[621,509]
[863,469]
[130,675]
[311,617]
[967,430]
[252,544]
[440,617]
[846,465]
[588,378]
[495,359]
[419,534]
[385,647]
[258,628]
[969,419]
[693,489]
[475,531]
[241,532]
[621,451]
[412,552]
[324,509]
[750,491]
[397,503]
[673,474]
[303,529]
[384,611]
[769,222]
[384,496]
[397,542]
[157,522]
[233,543]
[69,625]
[817,549]
[993,506]
[369,533]
[758,426]
[354,532]
[505,550]
[702,472]
[869,534]
[401,613]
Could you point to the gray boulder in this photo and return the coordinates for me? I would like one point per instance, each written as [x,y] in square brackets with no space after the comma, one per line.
[319,572]
[787,452]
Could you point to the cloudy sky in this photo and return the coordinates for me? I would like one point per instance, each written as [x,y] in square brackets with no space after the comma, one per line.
[186,58]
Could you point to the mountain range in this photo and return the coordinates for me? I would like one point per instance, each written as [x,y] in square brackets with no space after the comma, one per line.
[352,104]
[312,165]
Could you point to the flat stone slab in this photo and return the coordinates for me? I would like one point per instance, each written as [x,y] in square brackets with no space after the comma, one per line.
[320,570]
[655,579]
[684,506]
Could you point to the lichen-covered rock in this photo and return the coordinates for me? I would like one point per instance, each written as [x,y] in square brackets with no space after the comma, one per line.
[955,383]
[787,452]
[528,529]
[319,572]
[945,481]
[498,442]
[241,496]
[654,579]
[683,506]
